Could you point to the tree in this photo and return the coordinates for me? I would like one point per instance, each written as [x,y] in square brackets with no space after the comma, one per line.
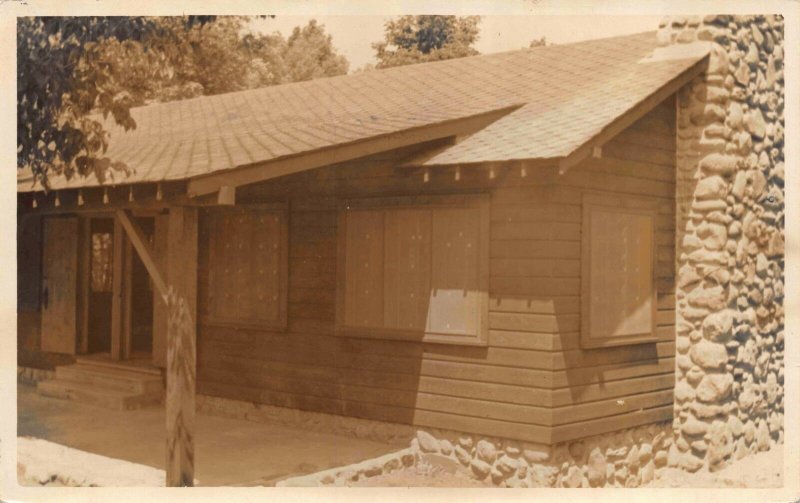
[417,39]
[265,55]
[310,54]
[72,71]
[206,57]
[68,71]
[538,42]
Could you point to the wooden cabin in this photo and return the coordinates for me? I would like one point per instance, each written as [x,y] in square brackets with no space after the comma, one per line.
[482,245]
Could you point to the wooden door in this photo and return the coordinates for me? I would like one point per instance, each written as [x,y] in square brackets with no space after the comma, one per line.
[59,285]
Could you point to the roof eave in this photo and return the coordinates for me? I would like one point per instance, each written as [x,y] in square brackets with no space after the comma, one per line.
[573,157]
[633,114]
[263,171]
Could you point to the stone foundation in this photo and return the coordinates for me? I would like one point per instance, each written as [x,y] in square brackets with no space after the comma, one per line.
[628,458]
[730,234]
[30,375]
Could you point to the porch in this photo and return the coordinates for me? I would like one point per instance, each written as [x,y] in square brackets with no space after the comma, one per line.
[233,452]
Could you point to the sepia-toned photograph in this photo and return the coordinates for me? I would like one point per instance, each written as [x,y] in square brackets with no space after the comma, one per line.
[415,250]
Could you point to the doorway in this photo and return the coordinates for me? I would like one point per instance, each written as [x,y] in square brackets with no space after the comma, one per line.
[135,293]
[101,280]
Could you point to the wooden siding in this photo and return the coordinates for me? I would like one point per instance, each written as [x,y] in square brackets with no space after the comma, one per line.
[534,381]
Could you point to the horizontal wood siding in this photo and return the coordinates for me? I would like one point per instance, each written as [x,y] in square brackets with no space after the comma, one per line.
[640,163]
[533,381]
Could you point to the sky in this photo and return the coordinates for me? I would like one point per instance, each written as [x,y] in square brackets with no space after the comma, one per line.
[353,35]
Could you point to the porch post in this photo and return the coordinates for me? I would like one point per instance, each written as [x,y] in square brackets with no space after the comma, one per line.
[181,266]
[117,292]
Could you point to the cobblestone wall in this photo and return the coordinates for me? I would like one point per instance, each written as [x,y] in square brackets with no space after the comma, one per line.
[627,458]
[730,221]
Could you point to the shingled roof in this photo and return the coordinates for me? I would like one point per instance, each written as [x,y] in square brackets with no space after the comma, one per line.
[557,96]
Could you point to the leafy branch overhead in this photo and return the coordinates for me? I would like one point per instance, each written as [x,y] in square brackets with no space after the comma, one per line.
[418,39]
[73,73]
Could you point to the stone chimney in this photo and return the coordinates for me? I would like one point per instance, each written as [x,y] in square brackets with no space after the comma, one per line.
[729,397]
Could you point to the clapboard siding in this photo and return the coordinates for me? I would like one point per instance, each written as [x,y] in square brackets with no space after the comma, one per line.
[640,162]
[534,381]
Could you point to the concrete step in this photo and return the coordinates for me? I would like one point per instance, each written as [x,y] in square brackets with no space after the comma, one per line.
[111,377]
[98,395]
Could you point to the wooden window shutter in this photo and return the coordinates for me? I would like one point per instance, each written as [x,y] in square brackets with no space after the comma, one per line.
[407,268]
[247,266]
[364,269]
[618,287]
[415,269]
[455,291]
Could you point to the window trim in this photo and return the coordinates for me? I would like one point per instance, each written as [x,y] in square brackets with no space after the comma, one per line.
[479,200]
[622,204]
[281,324]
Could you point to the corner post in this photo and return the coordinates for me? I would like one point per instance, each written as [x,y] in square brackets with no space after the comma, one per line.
[181,300]
[117,289]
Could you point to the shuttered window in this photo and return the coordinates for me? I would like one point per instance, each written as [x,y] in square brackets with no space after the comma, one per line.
[247,266]
[618,297]
[415,269]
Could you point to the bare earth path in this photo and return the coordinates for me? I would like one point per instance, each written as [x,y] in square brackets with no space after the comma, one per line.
[229,451]
[764,469]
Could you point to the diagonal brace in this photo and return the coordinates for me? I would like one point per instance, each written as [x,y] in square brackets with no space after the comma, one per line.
[139,242]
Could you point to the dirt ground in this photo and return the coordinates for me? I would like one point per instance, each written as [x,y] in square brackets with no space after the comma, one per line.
[227,451]
[421,475]
[764,469]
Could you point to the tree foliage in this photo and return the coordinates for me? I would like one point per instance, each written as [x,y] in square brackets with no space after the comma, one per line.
[73,71]
[63,74]
[310,54]
[417,39]
[538,42]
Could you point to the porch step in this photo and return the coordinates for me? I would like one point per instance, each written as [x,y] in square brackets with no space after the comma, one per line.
[101,396]
[126,379]
[105,385]
[126,365]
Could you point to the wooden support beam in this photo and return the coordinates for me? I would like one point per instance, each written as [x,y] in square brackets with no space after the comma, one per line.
[226,196]
[84,282]
[160,315]
[116,290]
[126,344]
[139,242]
[181,344]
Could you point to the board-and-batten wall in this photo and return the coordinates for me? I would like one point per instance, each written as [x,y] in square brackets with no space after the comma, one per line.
[533,382]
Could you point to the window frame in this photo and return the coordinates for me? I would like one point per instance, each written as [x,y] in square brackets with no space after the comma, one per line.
[622,204]
[281,324]
[481,201]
